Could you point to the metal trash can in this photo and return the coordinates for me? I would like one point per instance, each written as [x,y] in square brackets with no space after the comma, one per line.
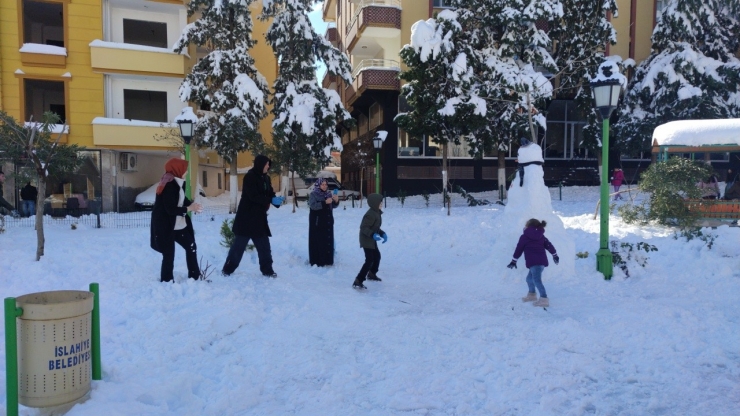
[54,347]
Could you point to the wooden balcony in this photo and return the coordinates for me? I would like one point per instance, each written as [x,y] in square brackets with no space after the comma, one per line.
[332,35]
[374,18]
[373,74]
[329,81]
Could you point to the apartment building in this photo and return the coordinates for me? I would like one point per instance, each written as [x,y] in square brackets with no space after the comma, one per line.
[372,32]
[107,68]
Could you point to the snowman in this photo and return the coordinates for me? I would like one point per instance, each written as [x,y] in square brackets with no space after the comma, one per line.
[528,197]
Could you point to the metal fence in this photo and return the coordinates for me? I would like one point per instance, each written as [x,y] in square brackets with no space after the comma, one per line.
[109,219]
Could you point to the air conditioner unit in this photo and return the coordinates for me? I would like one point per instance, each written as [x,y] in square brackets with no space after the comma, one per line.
[129,162]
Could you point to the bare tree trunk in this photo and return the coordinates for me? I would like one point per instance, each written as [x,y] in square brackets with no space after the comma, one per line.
[531,122]
[502,173]
[40,240]
[233,184]
[292,185]
[445,181]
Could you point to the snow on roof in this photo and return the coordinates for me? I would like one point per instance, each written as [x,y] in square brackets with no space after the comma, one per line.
[698,133]
[187,114]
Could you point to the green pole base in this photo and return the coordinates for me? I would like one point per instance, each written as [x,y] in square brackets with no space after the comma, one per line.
[604,263]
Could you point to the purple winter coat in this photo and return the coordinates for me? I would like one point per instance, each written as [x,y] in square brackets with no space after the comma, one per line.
[533,243]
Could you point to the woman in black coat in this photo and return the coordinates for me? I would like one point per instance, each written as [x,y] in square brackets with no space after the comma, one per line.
[170,222]
[321,224]
[250,222]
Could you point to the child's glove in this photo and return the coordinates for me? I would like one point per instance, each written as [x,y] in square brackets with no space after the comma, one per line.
[555,258]
[377,237]
[335,192]
[384,236]
[277,201]
[512,265]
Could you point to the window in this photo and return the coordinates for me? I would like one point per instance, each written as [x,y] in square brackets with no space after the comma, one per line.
[42,96]
[219,180]
[140,32]
[564,135]
[205,179]
[43,23]
[409,146]
[660,5]
[145,105]
[376,116]
[442,3]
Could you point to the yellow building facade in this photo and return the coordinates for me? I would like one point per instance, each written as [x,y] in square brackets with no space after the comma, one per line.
[107,68]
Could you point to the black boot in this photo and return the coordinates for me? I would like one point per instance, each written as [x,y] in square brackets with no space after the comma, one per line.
[374,277]
[358,284]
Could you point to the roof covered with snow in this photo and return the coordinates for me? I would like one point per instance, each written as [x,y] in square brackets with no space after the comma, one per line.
[698,133]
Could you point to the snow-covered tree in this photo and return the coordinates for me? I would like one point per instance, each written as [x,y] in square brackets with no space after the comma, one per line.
[580,39]
[225,81]
[691,73]
[440,84]
[511,53]
[306,115]
[35,143]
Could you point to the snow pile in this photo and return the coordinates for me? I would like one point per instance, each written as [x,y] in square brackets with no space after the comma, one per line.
[698,133]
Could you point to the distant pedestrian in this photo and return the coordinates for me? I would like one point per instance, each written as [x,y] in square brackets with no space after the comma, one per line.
[250,222]
[170,222]
[370,234]
[709,187]
[29,193]
[321,224]
[533,244]
[617,179]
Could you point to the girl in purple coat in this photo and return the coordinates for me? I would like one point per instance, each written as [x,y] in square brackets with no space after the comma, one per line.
[533,244]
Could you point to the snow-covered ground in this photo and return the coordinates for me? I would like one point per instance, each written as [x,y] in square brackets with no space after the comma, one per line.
[444,333]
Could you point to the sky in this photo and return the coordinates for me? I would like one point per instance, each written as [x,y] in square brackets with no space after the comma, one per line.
[444,333]
[320,27]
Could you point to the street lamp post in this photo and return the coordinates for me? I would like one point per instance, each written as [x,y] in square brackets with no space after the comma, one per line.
[378,140]
[605,90]
[186,131]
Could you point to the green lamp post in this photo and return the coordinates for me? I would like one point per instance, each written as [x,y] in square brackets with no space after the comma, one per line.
[378,140]
[605,89]
[186,131]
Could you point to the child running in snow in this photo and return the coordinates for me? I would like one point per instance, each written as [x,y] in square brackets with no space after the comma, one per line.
[370,234]
[533,243]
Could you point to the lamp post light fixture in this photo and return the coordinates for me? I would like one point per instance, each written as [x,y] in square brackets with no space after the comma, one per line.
[605,90]
[378,140]
[186,121]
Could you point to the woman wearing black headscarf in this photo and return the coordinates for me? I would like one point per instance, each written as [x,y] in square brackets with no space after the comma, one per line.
[321,224]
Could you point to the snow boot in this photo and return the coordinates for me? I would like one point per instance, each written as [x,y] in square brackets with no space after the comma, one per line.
[358,284]
[542,303]
[531,297]
[374,277]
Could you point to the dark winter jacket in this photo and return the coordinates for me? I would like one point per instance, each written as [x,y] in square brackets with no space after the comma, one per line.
[29,193]
[733,192]
[320,230]
[3,202]
[371,222]
[533,243]
[164,216]
[257,194]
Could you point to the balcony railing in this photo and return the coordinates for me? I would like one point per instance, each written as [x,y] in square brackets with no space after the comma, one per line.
[386,64]
[365,3]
